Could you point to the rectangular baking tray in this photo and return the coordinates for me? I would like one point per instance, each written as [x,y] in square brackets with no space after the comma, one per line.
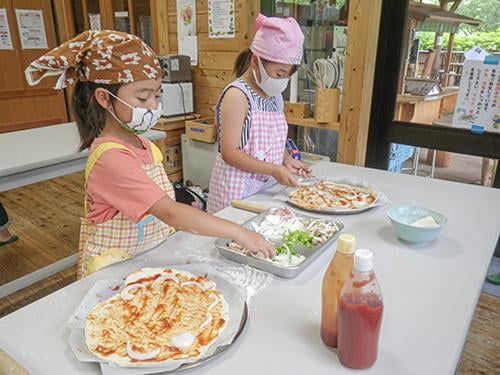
[287,272]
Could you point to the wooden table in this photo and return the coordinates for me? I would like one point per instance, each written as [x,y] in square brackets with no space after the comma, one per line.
[487,174]
[425,110]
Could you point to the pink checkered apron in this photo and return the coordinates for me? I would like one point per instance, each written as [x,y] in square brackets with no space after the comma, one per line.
[119,232]
[266,142]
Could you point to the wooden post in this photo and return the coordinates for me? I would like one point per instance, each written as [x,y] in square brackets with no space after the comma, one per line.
[64,19]
[249,11]
[86,20]
[434,73]
[159,15]
[404,56]
[428,64]
[131,17]
[448,59]
[65,31]
[107,15]
[362,39]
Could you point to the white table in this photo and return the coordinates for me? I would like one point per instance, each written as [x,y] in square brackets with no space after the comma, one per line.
[430,292]
[33,155]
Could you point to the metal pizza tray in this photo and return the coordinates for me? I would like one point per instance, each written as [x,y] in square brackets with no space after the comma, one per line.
[333,210]
[287,272]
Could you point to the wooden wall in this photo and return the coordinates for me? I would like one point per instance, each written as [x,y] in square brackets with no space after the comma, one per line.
[22,106]
[215,56]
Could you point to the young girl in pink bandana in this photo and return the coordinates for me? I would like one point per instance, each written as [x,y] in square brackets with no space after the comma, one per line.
[250,119]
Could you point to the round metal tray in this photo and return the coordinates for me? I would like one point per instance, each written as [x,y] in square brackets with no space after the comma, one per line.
[333,211]
[218,352]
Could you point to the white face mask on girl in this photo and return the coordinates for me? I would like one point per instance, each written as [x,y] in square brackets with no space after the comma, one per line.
[143,119]
[271,86]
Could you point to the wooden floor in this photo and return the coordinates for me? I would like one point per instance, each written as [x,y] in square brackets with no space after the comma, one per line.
[46,218]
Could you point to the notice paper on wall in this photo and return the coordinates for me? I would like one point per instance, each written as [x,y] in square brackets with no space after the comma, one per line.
[5,36]
[31,29]
[186,17]
[221,19]
[478,103]
[186,30]
[188,46]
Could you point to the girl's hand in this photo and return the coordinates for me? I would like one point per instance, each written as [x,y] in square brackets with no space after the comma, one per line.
[297,167]
[255,243]
[284,176]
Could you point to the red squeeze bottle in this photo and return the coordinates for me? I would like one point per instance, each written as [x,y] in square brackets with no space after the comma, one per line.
[337,273]
[360,314]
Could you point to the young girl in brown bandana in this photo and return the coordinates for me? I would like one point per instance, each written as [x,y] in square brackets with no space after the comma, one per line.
[129,203]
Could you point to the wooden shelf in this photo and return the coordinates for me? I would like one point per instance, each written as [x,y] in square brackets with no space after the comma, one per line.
[311,123]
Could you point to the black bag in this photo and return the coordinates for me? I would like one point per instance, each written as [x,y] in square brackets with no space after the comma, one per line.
[187,196]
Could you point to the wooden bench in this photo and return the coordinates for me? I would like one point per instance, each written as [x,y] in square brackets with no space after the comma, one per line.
[34,155]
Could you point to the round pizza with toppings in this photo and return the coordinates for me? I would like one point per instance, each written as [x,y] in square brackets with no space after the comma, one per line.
[330,196]
[159,315]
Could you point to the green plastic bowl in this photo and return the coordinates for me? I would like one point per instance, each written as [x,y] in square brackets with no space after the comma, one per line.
[402,217]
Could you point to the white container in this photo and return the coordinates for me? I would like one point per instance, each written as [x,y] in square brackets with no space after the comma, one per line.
[177,98]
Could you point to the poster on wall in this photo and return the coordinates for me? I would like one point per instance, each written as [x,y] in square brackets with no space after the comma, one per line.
[478,103]
[31,29]
[221,19]
[186,30]
[95,21]
[5,36]
[186,17]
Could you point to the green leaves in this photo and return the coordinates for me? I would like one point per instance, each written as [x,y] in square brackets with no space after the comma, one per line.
[294,239]
[490,40]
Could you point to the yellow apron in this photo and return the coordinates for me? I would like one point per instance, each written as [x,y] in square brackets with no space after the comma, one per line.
[119,235]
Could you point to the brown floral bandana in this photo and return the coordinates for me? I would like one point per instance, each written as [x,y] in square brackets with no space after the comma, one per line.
[105,56]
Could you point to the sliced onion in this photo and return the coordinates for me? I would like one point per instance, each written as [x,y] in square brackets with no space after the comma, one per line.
[141,356]
[102,310]
[210,286]
[183,341]
[165,277]
[193,283]
[207,322]
[125,292]
[215,303]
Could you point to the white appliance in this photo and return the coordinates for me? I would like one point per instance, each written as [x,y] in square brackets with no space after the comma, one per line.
[198,159]
[177,98]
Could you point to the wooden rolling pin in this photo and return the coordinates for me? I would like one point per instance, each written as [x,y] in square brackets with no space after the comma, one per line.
[248,206]
[9,366]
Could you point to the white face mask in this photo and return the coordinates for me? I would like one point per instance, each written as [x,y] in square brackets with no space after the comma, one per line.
[143,119]
[271,86]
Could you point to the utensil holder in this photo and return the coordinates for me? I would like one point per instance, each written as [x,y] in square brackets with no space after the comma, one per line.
[326,105]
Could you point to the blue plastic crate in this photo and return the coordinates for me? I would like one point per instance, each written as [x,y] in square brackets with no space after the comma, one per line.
[398,154]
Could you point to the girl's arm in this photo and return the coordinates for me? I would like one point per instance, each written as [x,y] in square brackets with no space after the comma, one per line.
[234,110]
[189,219]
